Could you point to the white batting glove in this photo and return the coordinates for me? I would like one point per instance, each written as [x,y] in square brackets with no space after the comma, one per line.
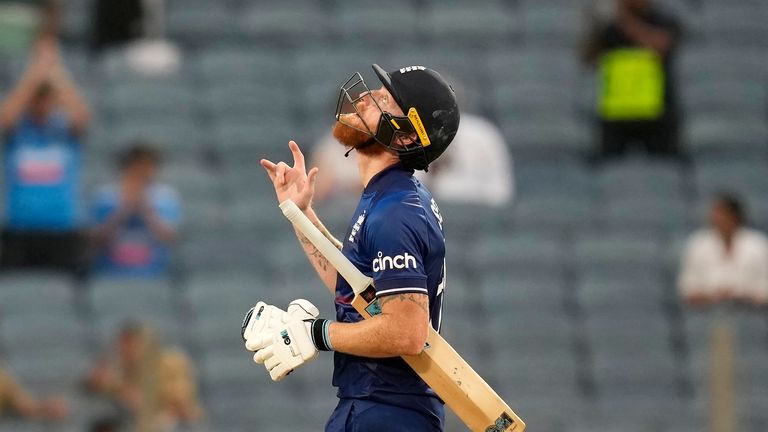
[289,347]
[263,318]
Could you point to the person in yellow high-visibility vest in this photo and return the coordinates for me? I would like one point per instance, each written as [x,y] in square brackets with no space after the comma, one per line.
[632,43]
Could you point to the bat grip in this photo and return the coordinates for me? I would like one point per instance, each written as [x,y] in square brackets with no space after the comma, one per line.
[356,279]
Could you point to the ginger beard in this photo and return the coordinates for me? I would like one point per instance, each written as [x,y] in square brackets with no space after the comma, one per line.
[351,137]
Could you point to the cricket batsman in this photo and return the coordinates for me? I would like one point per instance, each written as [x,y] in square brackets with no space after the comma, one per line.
[395,237]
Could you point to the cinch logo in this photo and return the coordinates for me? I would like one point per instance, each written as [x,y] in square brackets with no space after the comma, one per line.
[286,339]
[396,262]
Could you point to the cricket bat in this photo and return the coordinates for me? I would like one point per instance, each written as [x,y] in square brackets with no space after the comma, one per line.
[439,365]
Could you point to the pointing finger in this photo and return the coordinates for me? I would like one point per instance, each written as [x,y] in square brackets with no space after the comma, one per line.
[298,156]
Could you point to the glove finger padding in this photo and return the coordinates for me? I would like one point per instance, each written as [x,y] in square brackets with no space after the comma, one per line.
[259,321]
[292,347]
[271,362]
[259,341]
[279,372]
[302,310]
[263,354]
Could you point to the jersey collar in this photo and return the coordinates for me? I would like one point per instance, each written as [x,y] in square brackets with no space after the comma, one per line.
[385,177]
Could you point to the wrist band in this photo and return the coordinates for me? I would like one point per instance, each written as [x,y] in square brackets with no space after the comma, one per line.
[320,334]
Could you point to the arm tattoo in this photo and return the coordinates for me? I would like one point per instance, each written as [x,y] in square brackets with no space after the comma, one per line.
[419,299]
[328,235]
[319,258]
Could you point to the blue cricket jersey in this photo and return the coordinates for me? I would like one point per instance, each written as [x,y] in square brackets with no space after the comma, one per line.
[42,174]
[135,251]
[395,237]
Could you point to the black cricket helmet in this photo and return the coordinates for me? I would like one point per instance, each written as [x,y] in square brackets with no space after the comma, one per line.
[429,105]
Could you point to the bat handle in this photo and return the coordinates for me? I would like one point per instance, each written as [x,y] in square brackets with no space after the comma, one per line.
[356,279]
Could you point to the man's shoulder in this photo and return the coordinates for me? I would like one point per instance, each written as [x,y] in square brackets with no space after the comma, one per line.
[702,237]
[755,237]
[395,205]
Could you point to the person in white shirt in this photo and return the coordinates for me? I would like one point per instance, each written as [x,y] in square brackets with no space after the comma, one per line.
[726,262]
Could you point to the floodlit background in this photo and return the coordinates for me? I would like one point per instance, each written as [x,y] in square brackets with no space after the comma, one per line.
[563,295]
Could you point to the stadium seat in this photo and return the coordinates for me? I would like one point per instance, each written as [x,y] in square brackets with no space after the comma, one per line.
[534,66]
[194,181]
[375,23]
[639,215]
[518,254]
[548,137]
[28,293]
[550,213]
[554,377]
[545,293]
[735,26]
[245,98]
[204,24]
[551,26]
[521,101]
[718,135]
[223,249]
[607,293]
[615,253]
[640,178]
[539,332]
[116,301]
[279,22]
[148,98]
[244,140]
[36,372]
[746,178]
[548,179]
[488,23]
[177,136]
[27,334]
[711,62]
[726,97]
[220,65]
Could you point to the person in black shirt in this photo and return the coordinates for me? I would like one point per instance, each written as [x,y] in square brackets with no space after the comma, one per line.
[633,45]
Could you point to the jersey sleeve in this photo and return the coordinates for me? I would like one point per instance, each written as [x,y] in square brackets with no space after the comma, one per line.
[397,247]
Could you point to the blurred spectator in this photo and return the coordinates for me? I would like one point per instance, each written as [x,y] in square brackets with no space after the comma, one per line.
[42,121]
[115,23]
[147,381]
[14,399]
[136,219]
[633,44]
[727,261]
[135,29]
[23,20]
[477,168]
[118,23]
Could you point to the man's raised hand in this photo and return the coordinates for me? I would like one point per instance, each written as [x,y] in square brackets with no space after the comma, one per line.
[292,182]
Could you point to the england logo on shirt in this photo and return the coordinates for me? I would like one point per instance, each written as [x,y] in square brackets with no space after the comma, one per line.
[356,227]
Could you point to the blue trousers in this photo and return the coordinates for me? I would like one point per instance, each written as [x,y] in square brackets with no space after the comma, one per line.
[358,415]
